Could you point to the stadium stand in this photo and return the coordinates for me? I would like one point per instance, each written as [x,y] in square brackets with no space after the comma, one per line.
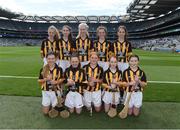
[170,43]
[152,24]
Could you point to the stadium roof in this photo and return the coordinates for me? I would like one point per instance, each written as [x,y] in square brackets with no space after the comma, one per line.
[7,13]
[137,10]
[72,19]
[144,9]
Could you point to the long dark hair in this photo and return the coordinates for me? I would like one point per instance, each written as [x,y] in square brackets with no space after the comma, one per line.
[126,32]
[70,37]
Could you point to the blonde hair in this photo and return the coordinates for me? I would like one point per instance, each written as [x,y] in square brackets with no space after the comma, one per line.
[86,26]
[99,28]
[57,35]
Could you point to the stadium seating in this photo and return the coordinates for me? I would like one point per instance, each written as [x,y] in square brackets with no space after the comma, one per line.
[170,43]
[164,26]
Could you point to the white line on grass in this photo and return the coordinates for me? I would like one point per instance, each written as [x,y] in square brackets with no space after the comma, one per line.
[164,82]
[18,77]
[30,77]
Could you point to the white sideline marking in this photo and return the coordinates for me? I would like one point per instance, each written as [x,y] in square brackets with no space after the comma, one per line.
[18,77]
[164,82]
[29,77]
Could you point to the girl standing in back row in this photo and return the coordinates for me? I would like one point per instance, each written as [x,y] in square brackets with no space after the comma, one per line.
[101,46]
[65,47]
[50,44]
[83,43]
[122,50]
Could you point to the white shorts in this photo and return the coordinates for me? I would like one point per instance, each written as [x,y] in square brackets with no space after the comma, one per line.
[74,99]
[49,98]
[45,61]
[104,65]
[123,66]
[136,99]
[94,97]
[64,64]
[83,63]
[108,98]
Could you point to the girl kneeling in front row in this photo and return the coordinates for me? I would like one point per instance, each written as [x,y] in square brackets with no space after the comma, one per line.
[135,80]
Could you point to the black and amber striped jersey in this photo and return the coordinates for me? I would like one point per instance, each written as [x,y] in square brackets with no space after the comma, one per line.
[47,46]
[129,75]
[83,47]
[122,50]
[65,49]
[77,75]
[96,72]
[102,49]
[109,76]
[56,73]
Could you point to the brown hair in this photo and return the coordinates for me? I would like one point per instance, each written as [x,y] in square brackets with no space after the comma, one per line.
[70,37]
[131,56]
[99,28]
[74,54]
[46,68]
[125,29]
[50,53]
[93,53]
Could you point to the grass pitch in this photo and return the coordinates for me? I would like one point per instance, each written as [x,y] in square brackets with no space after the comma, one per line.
[161,100]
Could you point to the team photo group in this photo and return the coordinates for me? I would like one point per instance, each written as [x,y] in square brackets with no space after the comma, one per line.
[78,73]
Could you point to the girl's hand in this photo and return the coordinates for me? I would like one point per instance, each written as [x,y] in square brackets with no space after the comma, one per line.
[91,83]
[132,88]
[49,77]
[93,79]
[45,79]
[53,82]
[70,82]
[132,83]
[114,81]
[136,78]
